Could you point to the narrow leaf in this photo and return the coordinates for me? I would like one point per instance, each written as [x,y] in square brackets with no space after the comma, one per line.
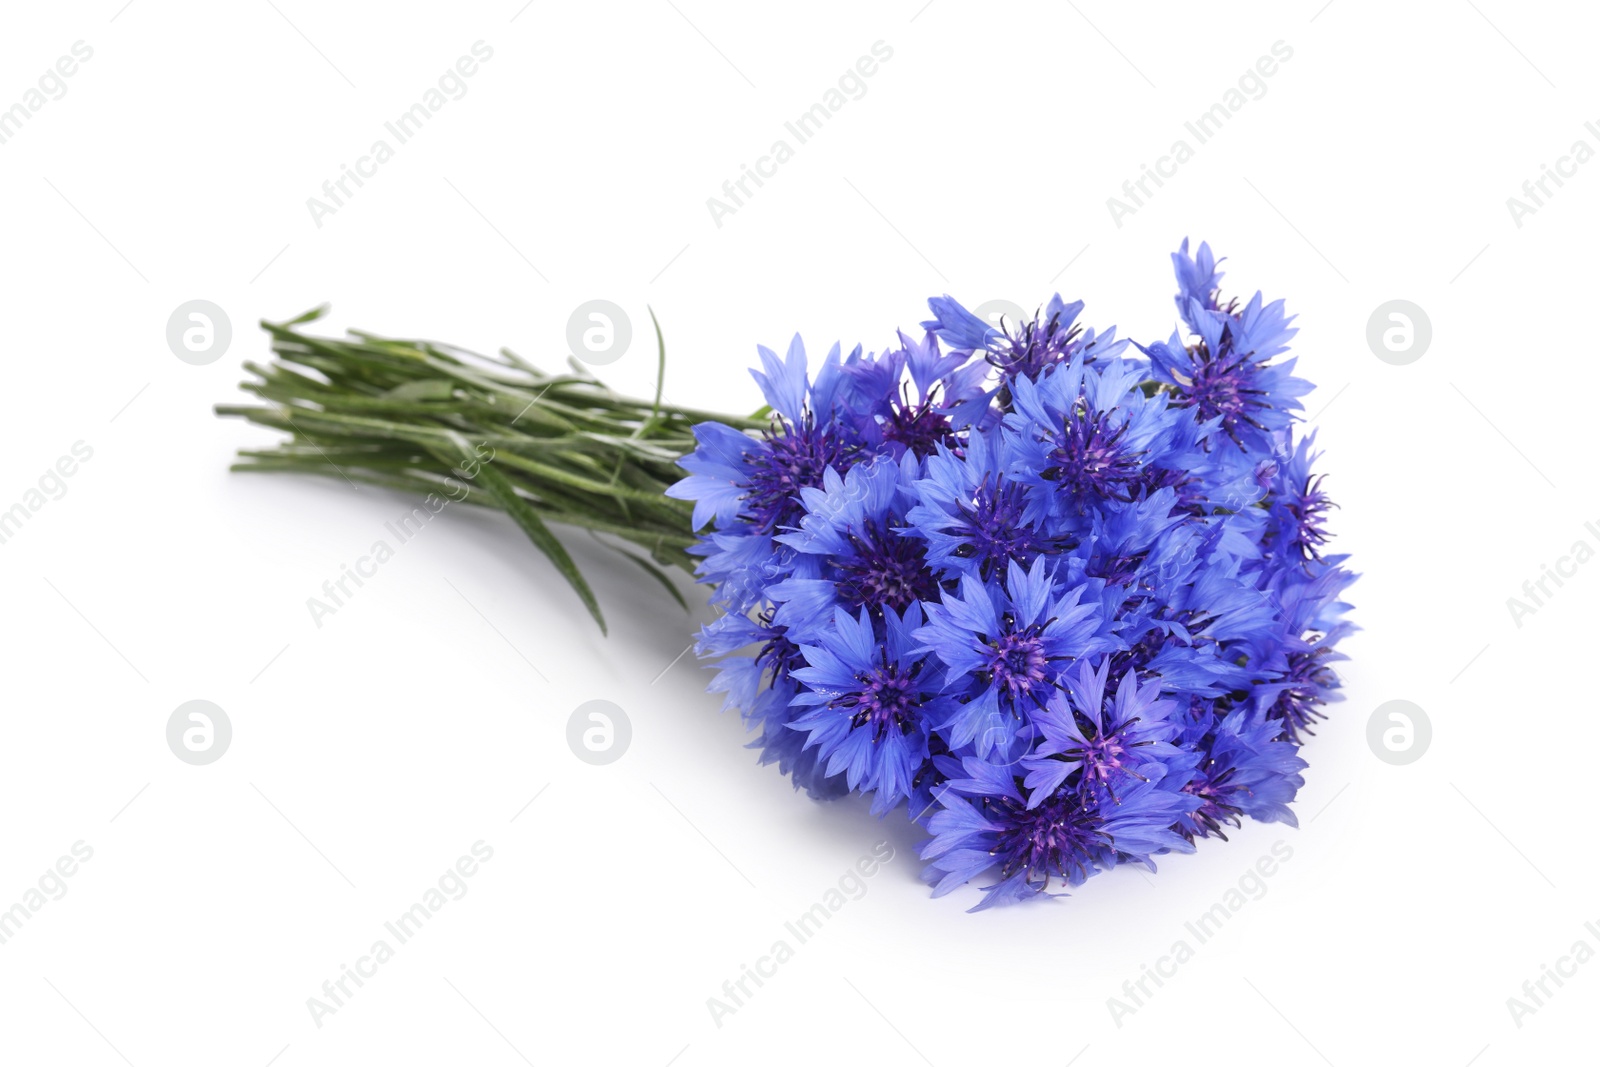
[499,486]
[659,575]
[423,389]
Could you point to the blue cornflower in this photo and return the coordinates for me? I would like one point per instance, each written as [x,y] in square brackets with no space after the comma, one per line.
[775,658]
[1248,399]
[1227,373]
[1067,836]
[851,531]
[734,476]
[1299,505]
[1087,434]
[913,393]
[773,713]
[1100,747]
[1298,658]
[1198,280]
[871,702]
[971,513]
[1071,608]
[1063,839]
[1023,349]
[1244,768]
[1137,543]
[1004,645]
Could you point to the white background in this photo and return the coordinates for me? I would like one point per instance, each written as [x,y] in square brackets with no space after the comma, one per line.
[369,754]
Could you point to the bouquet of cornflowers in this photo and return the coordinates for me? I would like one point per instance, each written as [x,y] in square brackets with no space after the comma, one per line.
[1066,605]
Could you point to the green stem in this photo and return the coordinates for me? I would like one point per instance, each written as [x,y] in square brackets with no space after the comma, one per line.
[423,417]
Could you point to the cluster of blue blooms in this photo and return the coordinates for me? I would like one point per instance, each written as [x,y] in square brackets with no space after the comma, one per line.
[1068,604]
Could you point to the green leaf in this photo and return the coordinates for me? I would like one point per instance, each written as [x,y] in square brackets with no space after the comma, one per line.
[423,389]
[499,487]
[659,575]
[299,320]
[661,377]
[569,451]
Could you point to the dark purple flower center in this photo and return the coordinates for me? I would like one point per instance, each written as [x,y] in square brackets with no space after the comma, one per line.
[1059,838]
[919,426]
[1223,385]
[794,458]
[887,700]
[1018,665]
[778,654]
[994,533]
[1211,785]
[885,570]
[1309,508]
[1300,704]
[1105,756]
[1089,456]
[1034,346]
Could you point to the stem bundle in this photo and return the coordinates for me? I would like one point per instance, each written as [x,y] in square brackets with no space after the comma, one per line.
[423,417]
